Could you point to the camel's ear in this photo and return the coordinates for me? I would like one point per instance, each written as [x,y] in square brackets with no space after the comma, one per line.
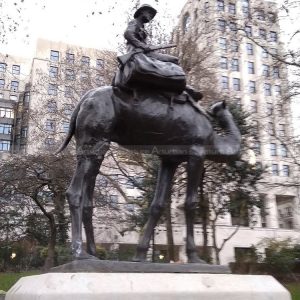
[224,104]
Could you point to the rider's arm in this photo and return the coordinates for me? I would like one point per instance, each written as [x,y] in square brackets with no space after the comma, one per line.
[130,35]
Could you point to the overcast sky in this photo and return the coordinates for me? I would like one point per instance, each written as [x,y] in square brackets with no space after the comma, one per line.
[90,23]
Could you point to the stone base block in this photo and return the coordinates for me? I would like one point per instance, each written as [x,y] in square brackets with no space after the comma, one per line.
[147,286]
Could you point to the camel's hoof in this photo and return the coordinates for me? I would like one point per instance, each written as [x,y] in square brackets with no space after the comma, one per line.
[84,255]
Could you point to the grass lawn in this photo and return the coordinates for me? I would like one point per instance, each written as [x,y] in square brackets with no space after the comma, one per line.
[7,280]
[294,289]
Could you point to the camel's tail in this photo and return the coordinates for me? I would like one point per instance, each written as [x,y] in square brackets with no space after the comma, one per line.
[71,128]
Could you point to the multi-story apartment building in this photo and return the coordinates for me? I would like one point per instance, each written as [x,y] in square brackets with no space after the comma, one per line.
[60,73]
[14,74]
[242,36]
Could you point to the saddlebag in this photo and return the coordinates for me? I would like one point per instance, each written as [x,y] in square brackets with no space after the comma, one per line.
[144,71]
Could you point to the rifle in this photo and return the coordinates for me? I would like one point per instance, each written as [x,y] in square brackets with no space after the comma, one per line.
[123,59]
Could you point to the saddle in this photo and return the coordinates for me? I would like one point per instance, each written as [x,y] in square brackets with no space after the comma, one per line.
[136,97]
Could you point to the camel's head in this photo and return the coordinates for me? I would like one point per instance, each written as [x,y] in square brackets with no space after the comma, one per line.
[217,109]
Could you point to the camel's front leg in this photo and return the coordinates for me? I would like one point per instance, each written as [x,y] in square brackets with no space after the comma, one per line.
[194,172]
[79,192]
[162,194]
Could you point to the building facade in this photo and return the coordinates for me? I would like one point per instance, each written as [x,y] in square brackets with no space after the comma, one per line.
[244,38]
[59,74]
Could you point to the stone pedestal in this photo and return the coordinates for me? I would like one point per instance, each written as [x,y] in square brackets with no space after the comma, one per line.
[147,286]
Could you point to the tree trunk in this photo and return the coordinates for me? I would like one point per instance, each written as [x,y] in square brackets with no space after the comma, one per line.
[50,260]
[214,238]
[170,238]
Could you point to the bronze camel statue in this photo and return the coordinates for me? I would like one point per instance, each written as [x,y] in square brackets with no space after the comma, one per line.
[179,131]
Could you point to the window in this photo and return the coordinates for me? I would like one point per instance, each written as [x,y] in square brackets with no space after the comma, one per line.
[2,67]
[237,102]
[220,5]
[252,87]
[249,48]
[221,24]
[264,53]
[262,33]
[2,83]
[272,17]
[276,72]
[16,69]
[13,97]
[65,127]
[281,129]
[85,60]
[269,108]
[271,128]
[232,8]
[286,170]
[1,96]
[14,86]
[52,89]
[273,36]
[280,109]
[49,143]
[245,7]
[251,67]
[248,30]
[235,64]
[4,145]
[266,70]
[223,63]
[68,109]
[53,72]
[275,170]
[253,106]
[54,55]
[206,7]
[68,91]
[5,128]
[26,97]
[257,148]
[100,79]
[52,106]
[186,22]
[238,209]
[274,51]
[223,44]
[84,76]
[70,74]
[260,15]
[24,132]
[99,63]
[225,83]
[6,113]
[277,89]
[113,200]
[273,149]
[284,151]
[50,125]
[267,88]
[236,84]
[70,58]
[234,46]
[233,26]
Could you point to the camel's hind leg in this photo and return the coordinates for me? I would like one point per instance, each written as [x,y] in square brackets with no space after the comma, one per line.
[194,172]
[162,194]
[80,196]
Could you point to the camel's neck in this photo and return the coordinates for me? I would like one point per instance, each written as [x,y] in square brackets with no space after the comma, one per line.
[228,146]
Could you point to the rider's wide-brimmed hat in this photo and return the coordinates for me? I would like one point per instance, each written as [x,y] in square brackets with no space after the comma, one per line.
[145,7]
